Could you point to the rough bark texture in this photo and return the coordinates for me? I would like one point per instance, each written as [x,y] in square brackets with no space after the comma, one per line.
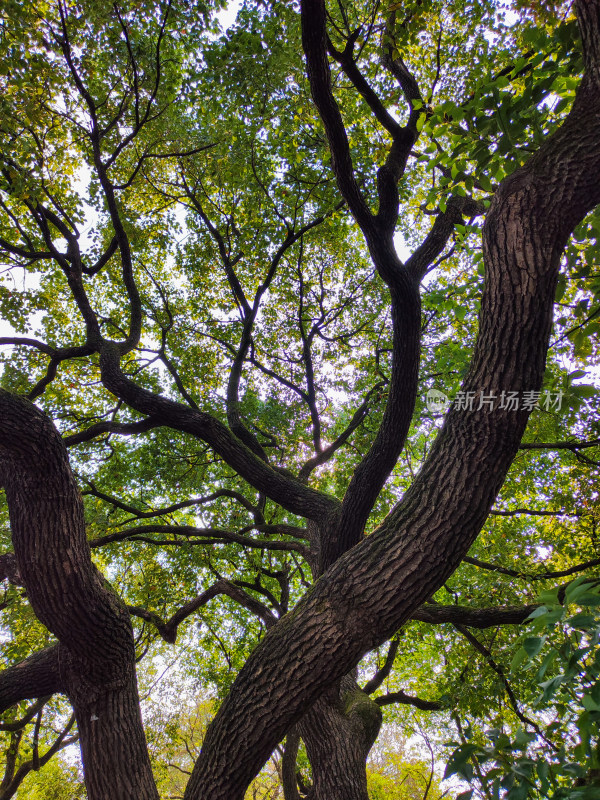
[288,766]
[95,660]
[36,676]
[339,731]
[371,590]
[341,727]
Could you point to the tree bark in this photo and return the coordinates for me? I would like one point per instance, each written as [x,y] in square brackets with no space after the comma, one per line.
[288,766]
[36,676]
[339,731]
[341,727]
[94,662]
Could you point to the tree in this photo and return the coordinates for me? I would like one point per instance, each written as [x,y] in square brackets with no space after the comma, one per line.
[296,417]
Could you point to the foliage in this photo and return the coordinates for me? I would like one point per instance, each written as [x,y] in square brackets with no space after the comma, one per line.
[556,754]
[56,781]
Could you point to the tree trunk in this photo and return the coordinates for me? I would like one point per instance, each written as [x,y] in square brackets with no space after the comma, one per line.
[95,658]
[341,727]
[113,746]
[289,765]
[339,731]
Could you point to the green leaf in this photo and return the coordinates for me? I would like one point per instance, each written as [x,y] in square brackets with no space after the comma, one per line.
[583,621]
[540,611]
[588,702]
[458,763]
[533,644]
[576,588]
[551,686]
[518,658]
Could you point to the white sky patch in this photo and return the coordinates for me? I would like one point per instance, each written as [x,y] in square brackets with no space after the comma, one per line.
[543,552]
[401,247]
[228,16]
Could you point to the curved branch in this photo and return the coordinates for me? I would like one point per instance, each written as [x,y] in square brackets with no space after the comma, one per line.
[346,60]
[499,670]
[17,341]
[168,629]
[211,535]
[194,501]
[559,445]
[61,741]
[513,573]
[36,677]
[407,699]
[100,428]
[382,673]
[532,512]
[47,521]
[473,617]
[288,492]
[357,419]
[56,358]
[314,42]
[374,469]
[425,255]
[31,712]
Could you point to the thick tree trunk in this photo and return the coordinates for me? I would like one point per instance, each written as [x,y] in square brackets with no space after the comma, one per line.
[113,746]
[95,659]
[341,727]
[338,732]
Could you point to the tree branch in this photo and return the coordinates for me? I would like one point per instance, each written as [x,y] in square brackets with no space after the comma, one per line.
[559,445]
[37,762]
[100,428]
[406,699]
[513,573]
[211,535]
[473,617]
[498,669]
[36,677]
[382,673]
[314,42]
[168,629]
[357,419]
[288,492]
[425,255]
[31,712]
